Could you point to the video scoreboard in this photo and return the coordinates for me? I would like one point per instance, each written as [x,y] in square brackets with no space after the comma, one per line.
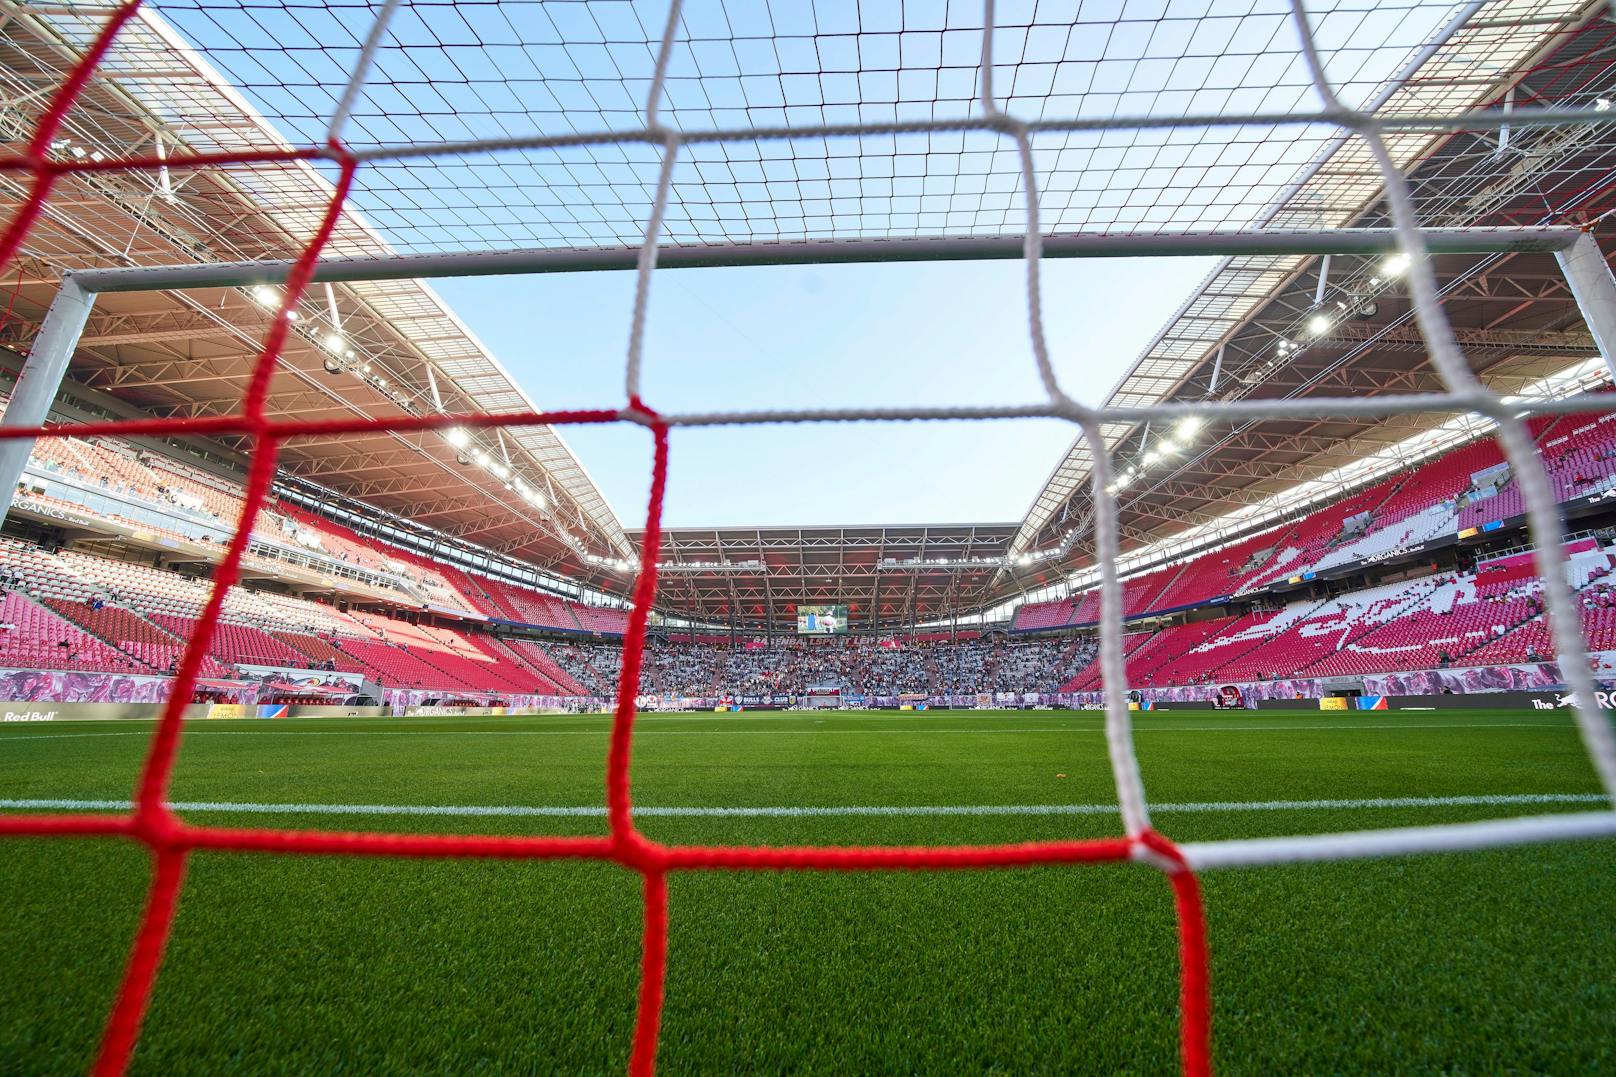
[821,620]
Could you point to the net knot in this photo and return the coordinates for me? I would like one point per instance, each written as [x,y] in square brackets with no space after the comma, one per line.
[157,827]
[1155,848]
[638,411]
[637,852]
[1350,118]
[335,150]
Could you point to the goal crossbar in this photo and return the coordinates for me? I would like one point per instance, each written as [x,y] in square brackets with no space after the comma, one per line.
[1344,241]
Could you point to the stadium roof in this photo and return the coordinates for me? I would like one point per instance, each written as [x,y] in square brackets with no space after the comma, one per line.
[190,353]
[882,574]
[257,78]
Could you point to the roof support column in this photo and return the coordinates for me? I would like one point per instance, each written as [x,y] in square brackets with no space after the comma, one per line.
[41,379]
[1588,274]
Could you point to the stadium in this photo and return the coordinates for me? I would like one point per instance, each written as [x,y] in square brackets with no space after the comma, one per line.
[422,648]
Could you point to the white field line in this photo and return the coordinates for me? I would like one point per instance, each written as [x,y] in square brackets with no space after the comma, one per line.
[192,731]
[1202,807]
[1401,841]
[74,736]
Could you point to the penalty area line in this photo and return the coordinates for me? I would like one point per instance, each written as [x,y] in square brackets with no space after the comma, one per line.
[811,811]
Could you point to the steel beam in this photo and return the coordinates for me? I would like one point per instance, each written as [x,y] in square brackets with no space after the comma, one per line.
[41,379]
[1588,274]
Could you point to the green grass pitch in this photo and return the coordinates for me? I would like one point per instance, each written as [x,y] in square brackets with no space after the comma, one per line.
[1476,962]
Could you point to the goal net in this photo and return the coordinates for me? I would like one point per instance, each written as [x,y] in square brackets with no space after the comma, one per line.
[681,139]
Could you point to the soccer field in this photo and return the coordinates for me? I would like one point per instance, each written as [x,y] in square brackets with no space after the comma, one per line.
[1468,962]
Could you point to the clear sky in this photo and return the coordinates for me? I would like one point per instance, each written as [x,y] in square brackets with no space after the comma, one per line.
[919,334]
[896,334]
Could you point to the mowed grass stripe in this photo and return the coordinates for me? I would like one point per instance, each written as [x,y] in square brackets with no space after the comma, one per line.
[810,811]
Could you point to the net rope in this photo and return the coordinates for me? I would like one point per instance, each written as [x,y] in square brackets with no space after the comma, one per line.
[171,839]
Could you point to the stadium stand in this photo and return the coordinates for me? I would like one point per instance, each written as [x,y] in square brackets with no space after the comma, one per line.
[33,637]
[1440,497]
[121,614]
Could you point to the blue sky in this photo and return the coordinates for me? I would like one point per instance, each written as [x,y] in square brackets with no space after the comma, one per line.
[910,334]
[919,334]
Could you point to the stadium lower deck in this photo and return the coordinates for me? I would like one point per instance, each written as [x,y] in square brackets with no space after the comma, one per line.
[1461,963]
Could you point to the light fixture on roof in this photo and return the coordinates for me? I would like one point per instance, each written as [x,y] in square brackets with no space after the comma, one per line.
[457,437]
[335,343]
[266,295]
[1187,427]
[1603,104]
[1394,266]
[1319,324]
[1151,456]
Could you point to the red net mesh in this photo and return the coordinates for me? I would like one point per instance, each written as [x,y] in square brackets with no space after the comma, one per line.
[170,839]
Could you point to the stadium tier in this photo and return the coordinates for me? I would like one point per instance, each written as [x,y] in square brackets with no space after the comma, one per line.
[1465,490]
[1236,614]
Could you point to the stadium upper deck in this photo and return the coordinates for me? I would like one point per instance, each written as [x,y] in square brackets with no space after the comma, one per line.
[174,81]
